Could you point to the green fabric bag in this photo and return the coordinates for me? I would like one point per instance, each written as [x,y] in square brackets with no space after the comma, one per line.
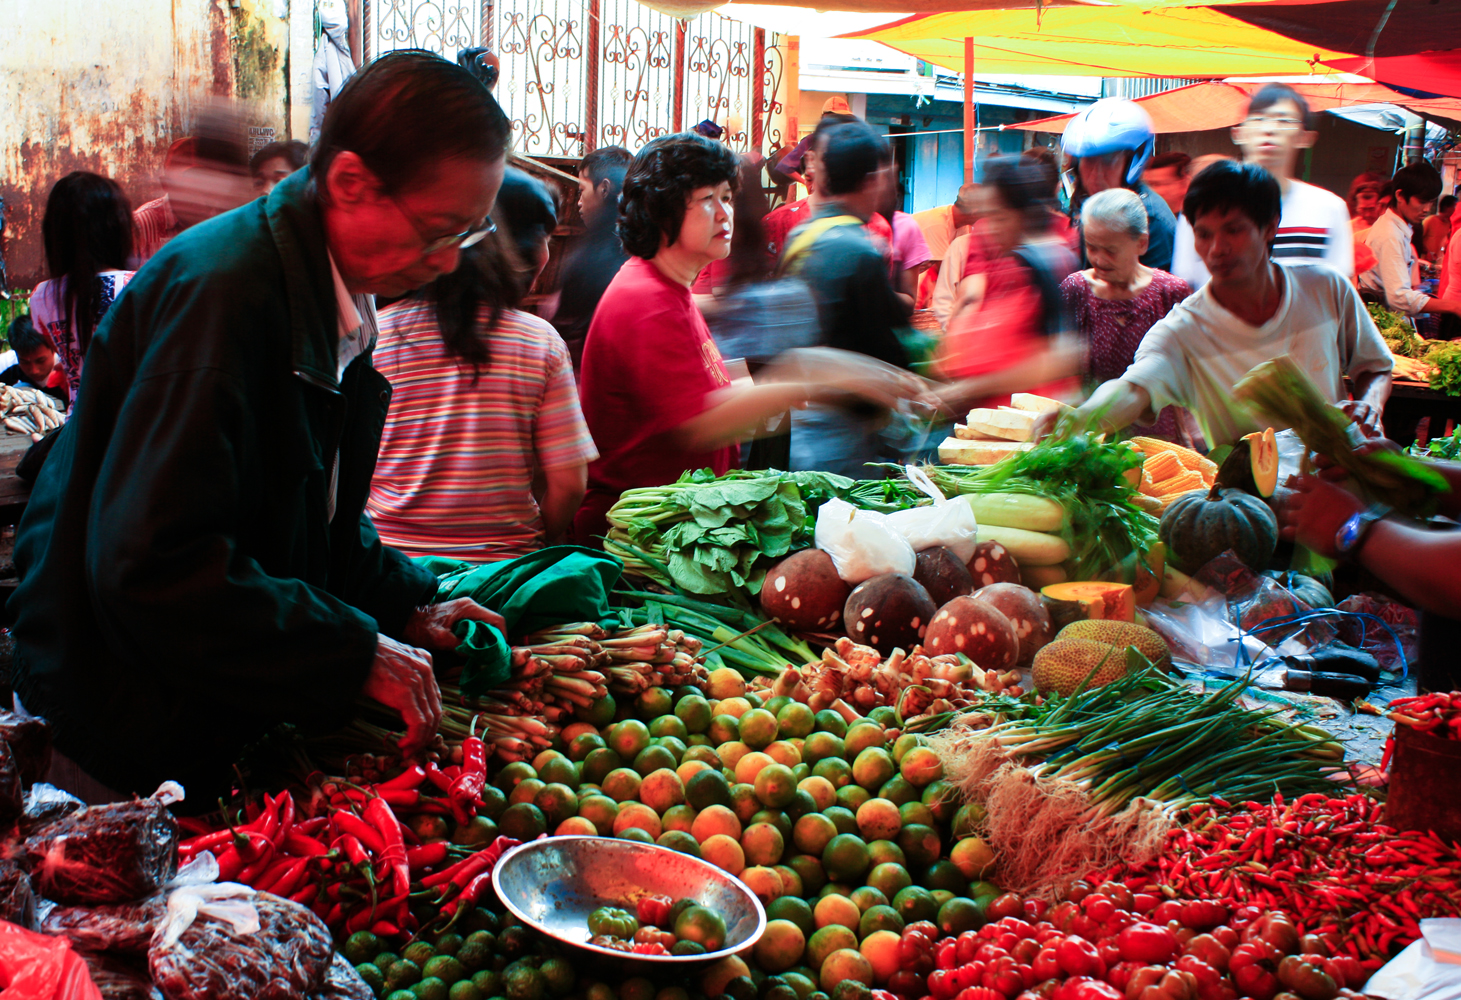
[562,583]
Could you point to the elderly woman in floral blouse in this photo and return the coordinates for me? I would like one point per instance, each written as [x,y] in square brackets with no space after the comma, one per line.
[1116,300]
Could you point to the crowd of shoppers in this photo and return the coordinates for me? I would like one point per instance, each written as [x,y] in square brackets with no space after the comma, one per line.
[690,318]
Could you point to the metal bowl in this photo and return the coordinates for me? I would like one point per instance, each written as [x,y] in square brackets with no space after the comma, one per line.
[553,884]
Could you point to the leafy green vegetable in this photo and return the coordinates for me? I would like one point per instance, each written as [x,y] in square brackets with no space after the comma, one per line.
[1399,332]
[1447,448]
[709,535]
[1281,391]
[1446,357]
[1083,473]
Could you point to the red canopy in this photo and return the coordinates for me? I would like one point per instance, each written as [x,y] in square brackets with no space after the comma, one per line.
[1222,104]
[1427,72]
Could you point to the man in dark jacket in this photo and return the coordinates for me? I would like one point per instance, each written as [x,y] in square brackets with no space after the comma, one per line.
[857,306]
[597,255]
[196,562]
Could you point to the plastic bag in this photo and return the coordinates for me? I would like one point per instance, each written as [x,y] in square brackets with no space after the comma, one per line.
[17,900]
[1426,969]
[123,928]
[342,982]
[285,958]
[38,967]
[29,738]
[119,980]
[1368,635]
[860,542]
[45,804]
[12,792]
[105,854]
[947,522]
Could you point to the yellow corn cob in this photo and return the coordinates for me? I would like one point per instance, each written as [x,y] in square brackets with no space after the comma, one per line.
[1161,466]
[1184,482]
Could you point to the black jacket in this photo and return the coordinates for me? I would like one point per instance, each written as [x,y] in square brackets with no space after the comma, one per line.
[182,584]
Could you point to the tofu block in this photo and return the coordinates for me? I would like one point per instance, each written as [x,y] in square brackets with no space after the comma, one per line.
[1035,404]
[966,433]
[1011,425]
[955,451]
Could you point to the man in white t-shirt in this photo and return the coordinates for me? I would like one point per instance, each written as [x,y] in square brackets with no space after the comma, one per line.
[1394,277]
[1314,224]
[1251,311]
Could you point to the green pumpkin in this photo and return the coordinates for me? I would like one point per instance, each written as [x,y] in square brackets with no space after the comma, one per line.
[1308,589]
[1199,526]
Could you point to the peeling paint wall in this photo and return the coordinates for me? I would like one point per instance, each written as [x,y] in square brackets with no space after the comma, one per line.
[86,85]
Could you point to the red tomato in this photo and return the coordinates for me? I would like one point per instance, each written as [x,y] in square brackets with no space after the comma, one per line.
[1144,942]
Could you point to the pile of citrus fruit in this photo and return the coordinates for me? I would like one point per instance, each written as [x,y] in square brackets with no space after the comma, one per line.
[845,837]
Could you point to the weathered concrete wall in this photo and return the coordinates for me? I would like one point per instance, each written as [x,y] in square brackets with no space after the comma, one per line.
[106,87]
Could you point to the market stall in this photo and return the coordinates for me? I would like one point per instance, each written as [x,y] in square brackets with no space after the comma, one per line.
[1051,727]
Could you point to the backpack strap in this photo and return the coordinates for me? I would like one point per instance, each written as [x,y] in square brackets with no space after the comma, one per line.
[808,235]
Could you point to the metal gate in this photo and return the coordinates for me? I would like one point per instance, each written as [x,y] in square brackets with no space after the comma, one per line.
[579,74]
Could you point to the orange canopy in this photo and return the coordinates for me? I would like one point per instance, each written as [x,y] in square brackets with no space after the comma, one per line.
[1120,40]
[1221,104]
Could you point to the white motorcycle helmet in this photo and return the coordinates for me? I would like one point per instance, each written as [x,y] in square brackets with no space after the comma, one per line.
[1111,125]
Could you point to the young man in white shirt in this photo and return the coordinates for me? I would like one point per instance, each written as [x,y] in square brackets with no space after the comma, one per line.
[1314,224]
[1252,310]
[1392,280]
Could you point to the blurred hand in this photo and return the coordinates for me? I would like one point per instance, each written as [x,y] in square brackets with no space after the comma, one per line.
[848,373]
[1366,415]
[1327,469]
[400,678]
[431,627]
[1044,424]
[1315,512]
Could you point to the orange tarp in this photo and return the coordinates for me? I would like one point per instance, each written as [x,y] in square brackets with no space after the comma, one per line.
[1204,106]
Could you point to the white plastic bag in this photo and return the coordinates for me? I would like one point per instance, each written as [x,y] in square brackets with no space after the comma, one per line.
[861,543]
[229,902]
[947,522]
[1426,969]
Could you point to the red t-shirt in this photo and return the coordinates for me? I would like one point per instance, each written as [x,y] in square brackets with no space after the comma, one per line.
[779,223]
[649,365]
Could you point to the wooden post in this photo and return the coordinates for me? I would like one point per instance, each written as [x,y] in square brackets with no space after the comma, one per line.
[793,77]
[591,100]
[758,91]
[968,110]
[677,113]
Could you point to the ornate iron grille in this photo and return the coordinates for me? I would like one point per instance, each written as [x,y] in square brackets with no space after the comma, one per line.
[438,25]
[636,74]
[556,88]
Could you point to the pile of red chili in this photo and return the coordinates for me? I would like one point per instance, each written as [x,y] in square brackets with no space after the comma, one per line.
[1437,714]
[356,864]
[1329,862]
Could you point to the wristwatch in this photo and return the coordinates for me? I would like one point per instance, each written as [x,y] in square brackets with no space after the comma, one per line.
[1352,532]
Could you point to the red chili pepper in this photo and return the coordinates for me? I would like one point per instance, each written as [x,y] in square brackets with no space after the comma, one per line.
[348,823]
[427,855]
[206,841]
[466,899]
[353,850]
[250,874]
[403,798]
[437,777]
[289,878]
[379,815]
[466,788]
[412,777]
[301,846]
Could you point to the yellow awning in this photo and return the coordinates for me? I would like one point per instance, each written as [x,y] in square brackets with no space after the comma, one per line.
[1101,41]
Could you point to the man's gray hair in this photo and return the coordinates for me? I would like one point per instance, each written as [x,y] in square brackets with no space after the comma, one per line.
[1119,208]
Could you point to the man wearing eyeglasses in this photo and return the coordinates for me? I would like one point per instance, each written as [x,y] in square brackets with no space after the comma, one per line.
[1314,226]
[196,563]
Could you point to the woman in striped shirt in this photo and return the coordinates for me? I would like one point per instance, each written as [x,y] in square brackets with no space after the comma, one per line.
[484,402]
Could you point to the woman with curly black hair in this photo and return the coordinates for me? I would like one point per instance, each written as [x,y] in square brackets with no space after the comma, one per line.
[655,392]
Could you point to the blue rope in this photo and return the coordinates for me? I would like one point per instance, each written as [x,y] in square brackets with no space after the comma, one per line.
[1304,617]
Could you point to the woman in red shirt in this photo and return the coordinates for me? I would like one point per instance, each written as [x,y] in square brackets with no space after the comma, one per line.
[655,392]
[1009,330]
